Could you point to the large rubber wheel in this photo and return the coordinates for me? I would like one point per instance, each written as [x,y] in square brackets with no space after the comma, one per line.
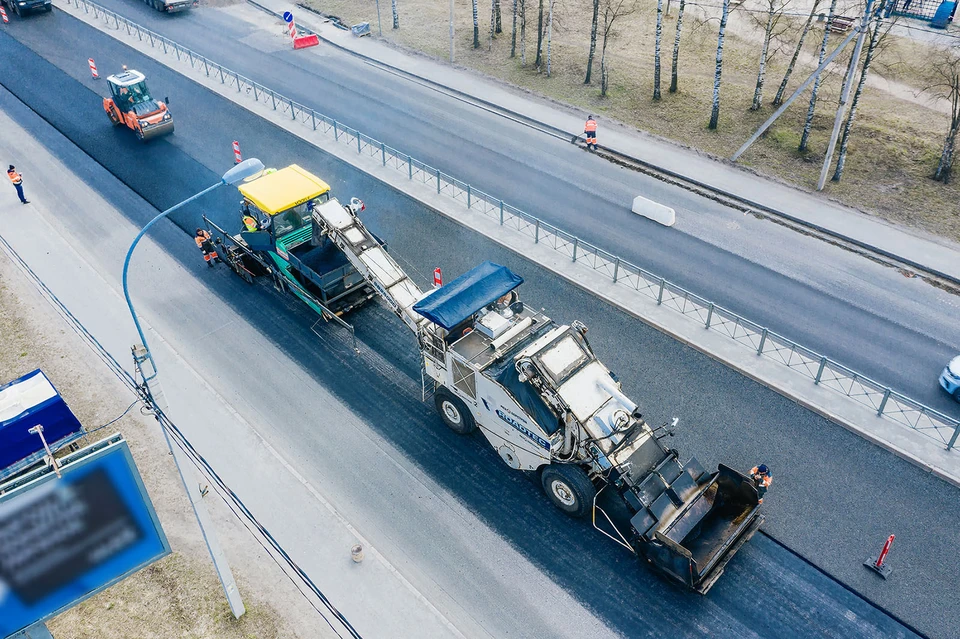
[139,133]
[569,488]
[454,412]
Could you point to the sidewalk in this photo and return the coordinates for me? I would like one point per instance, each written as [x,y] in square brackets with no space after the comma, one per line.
[910,245]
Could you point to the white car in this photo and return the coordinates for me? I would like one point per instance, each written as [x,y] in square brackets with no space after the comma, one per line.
[950,378]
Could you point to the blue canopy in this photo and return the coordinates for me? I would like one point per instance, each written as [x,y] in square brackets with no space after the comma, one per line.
[454,302]
[24,403]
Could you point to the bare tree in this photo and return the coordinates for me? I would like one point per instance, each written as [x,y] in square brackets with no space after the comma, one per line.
[539,59]
[676,49]
[549,33]
[774,11]
[715,111]
[513,33]
[593,39]
[476,25]
[611,10]
[945,85]
[808,123]
[778,100]
[493,21]
[396,16]
[523,32]
[876,35]
[656,51]
[496,13]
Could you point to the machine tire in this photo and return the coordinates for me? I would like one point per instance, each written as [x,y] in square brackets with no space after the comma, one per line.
[139,133]
[454,412]
[569,488]
[16,9]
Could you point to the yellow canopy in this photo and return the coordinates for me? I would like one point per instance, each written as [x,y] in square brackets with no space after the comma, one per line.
[284,189]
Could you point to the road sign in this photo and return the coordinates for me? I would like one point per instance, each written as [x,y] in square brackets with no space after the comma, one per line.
[64,539]
[287,16]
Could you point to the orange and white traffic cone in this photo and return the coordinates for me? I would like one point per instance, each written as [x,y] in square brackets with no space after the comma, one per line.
[3,14]
[93,69]
[237,158]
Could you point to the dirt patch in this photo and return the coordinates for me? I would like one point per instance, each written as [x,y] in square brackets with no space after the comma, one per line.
[180,595]
[896,141]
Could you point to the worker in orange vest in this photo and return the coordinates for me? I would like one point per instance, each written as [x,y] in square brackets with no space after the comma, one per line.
[761,479]
[204,243]
[17,180]
[590,130]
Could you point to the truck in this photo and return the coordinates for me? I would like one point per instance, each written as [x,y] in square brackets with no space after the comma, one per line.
[23,7]
[539,395]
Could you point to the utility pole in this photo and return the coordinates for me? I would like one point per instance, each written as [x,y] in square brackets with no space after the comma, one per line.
[844,95]
[783,107]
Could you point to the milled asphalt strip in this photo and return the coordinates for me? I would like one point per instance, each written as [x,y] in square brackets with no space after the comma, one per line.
[642,166]
[898,439]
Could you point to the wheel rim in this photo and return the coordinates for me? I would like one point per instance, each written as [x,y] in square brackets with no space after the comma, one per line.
[563,493]
[450,412]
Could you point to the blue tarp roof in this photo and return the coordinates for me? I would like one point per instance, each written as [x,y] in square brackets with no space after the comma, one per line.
[454,302]
[24,403]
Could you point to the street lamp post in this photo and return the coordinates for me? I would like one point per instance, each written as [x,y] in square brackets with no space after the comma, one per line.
[154,394]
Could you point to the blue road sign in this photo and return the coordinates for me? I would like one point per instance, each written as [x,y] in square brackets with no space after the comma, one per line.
[287,17]
[63,540]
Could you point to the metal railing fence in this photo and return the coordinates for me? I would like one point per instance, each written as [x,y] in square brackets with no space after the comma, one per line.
[819,369]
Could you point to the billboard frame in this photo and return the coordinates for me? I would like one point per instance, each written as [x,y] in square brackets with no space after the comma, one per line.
[72,462]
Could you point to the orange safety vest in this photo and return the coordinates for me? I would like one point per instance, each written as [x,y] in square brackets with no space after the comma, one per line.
[200,239]
[14,177]
[765,480]
[250,223]
[590,126]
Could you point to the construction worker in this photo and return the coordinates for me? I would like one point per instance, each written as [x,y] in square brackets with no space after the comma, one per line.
[204,243]
[249,223]
[17,180]
[590,130]
[762,479]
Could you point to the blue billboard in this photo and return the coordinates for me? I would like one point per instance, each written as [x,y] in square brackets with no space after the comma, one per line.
[26,402]
[62,540]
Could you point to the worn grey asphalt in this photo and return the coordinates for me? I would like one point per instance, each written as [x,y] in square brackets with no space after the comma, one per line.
[896,330]
[836,497]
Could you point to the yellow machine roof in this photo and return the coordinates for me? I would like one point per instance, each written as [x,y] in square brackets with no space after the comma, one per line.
[284,189]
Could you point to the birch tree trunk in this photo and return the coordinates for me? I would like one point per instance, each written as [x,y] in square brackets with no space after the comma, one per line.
[476,25]
[593,39]
[549,34]
[539,59]
[808,124]
[493,20]
[715,111]
[848,125]
[778,100]
[761,74]
[523,33]
[496,13]
[945,167]
[513,32]
[676,49]
[603,68]
[656,51]
[396,16]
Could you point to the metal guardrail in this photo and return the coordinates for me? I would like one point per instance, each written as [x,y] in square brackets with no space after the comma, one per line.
[821,370]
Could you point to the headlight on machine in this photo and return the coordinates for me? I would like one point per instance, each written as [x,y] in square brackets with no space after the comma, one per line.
[167,116]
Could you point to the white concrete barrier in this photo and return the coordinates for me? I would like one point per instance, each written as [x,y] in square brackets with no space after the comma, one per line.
[656,212]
